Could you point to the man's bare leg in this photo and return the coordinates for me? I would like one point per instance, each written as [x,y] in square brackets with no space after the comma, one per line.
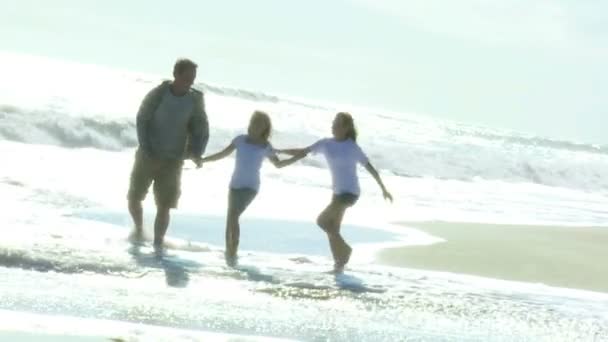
[137,214]
[161,223]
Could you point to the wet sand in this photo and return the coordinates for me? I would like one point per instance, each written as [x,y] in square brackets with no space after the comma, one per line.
[572,257]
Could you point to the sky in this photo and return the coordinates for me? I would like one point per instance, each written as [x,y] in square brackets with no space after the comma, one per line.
[536,66]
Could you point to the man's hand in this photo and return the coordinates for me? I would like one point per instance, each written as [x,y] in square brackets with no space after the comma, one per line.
[198,161]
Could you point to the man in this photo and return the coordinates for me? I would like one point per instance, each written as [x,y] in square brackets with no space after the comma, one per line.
[171,126]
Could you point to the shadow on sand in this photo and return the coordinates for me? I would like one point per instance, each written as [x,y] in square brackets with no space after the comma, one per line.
[176,269]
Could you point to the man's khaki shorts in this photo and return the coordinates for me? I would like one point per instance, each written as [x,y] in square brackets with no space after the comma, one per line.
[165,174]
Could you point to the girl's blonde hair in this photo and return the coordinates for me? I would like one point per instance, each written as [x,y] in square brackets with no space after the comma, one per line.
[260,118]
[347,120]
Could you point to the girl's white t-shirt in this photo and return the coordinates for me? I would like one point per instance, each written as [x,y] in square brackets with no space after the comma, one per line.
[248,162]
[342,157]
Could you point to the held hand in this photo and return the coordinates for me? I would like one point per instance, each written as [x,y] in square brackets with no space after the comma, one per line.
[198,161]
[387,196]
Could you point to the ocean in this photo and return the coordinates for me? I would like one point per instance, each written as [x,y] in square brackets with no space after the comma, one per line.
[67,140]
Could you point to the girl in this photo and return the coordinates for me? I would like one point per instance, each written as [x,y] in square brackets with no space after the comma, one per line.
[251,149]
[342,154]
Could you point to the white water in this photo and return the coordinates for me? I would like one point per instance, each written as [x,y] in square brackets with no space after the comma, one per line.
[67,141]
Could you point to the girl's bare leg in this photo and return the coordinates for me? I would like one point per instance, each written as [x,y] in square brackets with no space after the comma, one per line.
[330,221]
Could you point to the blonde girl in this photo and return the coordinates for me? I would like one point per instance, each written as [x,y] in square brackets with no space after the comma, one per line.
[251,150]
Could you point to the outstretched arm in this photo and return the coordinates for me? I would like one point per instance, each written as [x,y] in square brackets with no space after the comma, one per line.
[286,162]
[295,151]
[370,168]
[220,155]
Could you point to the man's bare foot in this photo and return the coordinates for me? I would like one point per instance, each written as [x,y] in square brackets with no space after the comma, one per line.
[160,250]
[231,259]
[159,243]
[137,236]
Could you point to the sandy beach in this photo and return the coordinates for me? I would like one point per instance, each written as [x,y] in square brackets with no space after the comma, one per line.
[572,257]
